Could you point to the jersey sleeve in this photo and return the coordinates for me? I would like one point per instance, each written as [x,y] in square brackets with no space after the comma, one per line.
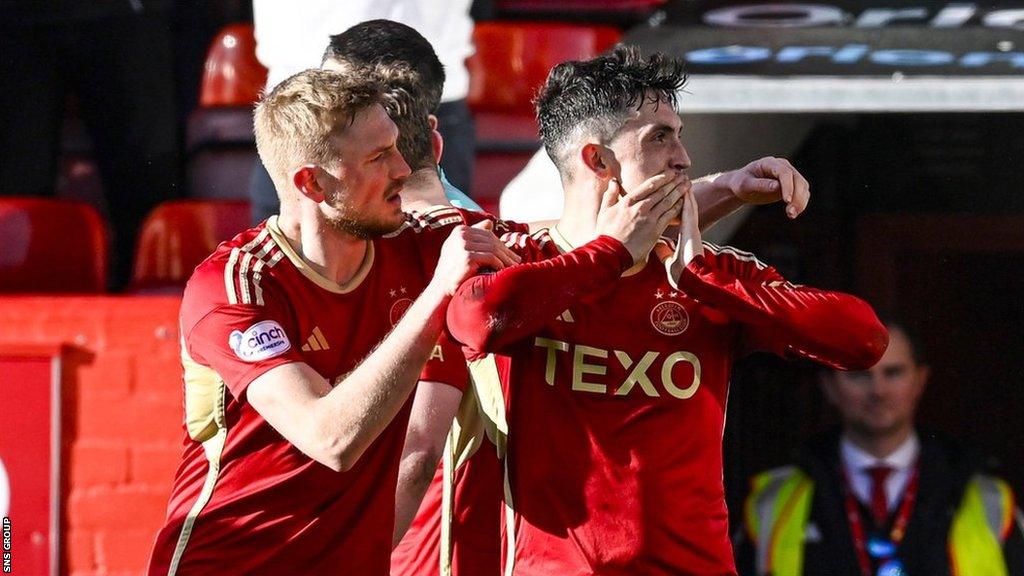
[491,311]
[238,341]
[833,328]
[435,224]
[447,365]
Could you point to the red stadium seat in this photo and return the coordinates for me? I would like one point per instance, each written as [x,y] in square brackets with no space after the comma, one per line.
[513,59]
[219,138]
[178,235]
[232,76]
[51,246]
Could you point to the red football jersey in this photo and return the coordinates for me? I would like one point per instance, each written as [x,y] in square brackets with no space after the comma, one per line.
[457,532]
[614,406]
[245,500]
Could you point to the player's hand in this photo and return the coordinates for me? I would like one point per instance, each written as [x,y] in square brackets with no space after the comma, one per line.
[769,180]
[638,218]
[467,250]
[690,244]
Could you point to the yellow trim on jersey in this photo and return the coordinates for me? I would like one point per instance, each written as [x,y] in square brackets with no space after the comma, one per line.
[229,276]
[250,263]
[213,447]
[487,387]
[510,526]
[565,246]
[203,390]
[465,438]
[313,275]
[486,382]
[447,507]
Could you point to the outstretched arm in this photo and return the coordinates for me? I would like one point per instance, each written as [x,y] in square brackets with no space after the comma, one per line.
[836,329]
[763,181]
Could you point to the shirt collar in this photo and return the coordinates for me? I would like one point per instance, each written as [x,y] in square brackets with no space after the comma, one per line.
[856,460]
[564,246]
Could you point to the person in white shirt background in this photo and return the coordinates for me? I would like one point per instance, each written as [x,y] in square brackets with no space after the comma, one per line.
[290,38]
[881,497]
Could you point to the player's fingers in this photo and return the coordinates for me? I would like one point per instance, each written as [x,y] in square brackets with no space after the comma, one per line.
[672,197]
[659,183]
[485,259]
[478,239]
[611,194]
[509,253]
[801,197]
[476,234]
[763,186]
[499,249]
[484,225]
[673,213]
[782,172]
[659,199]
[692,208]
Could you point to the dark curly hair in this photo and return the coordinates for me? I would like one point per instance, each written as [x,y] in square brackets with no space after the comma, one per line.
[593,97]
[386,42]
[402,61]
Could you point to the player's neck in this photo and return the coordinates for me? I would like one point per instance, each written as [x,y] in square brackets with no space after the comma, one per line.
[422,190]
[578,224]
[879,445]
[334,255]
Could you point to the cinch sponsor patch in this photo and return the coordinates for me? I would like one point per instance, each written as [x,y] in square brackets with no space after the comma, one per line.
[261,341]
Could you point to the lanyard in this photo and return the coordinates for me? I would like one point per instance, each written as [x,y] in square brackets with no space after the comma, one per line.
[899,526]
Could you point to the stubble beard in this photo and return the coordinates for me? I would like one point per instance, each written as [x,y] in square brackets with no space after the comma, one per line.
[363,227]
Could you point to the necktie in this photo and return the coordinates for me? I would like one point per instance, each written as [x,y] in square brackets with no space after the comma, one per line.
[879,502]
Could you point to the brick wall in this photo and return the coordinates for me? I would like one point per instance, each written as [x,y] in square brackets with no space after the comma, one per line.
[121,419]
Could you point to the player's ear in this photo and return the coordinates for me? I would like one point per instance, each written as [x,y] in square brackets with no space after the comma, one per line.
[432,120]
[304,178]
[600,161]
[437,144]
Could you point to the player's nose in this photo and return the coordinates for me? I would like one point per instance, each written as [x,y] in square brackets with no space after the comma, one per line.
[680,160]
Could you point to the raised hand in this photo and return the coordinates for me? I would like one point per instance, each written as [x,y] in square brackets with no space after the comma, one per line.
[467,250]
[689,245]
[638,218]
[769,180]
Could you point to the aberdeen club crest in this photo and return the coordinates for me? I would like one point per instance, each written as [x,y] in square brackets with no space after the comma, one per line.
[669,318]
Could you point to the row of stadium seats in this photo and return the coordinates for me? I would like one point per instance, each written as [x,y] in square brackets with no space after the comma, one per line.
[61,246]
[511,62]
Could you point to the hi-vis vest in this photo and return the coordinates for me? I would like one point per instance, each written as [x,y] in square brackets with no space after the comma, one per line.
[779,507]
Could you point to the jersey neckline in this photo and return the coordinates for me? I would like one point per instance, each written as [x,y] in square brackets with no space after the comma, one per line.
[319,279]
[564,246]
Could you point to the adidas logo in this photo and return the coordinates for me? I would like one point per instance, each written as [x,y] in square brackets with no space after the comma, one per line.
[316,341]
[566,316]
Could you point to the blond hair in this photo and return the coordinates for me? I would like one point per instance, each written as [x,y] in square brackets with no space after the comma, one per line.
[296,122]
